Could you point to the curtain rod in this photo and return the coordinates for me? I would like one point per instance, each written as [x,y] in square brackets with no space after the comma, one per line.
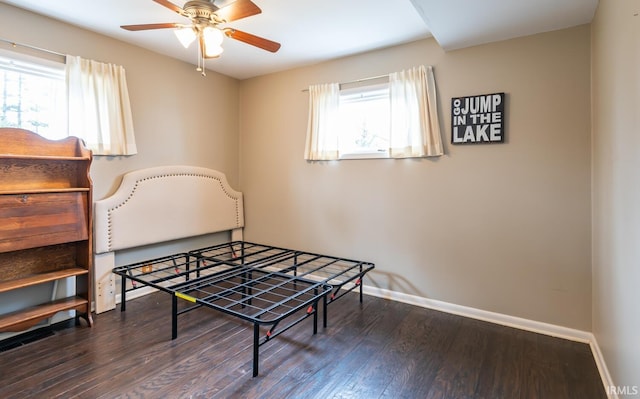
[360,80]
[15,44]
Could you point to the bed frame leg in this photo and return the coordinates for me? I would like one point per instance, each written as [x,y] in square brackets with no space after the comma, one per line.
[256,347]
[174,317]
[324,311]
[315,319]
[123,294]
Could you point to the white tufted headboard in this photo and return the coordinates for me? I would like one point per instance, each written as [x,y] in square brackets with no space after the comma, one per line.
[160,204]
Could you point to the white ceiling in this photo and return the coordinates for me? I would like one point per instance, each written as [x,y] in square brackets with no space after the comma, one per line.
[312,31]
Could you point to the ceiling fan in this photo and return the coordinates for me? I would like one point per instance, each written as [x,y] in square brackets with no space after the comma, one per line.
[206,19]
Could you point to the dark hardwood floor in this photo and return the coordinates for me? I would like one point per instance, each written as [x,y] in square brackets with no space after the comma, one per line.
[380,349]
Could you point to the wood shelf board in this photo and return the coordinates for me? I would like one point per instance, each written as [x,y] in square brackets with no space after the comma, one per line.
[43,157]
[41,278]
[25,318]
[46,190]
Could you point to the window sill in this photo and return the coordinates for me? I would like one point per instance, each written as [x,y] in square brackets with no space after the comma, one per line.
[365,155]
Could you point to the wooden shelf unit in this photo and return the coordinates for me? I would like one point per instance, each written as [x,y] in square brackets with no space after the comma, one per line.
[45,222]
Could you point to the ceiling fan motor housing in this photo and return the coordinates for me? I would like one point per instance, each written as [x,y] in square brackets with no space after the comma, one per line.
[200,10]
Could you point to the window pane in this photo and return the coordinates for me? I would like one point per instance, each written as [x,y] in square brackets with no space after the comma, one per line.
[32,97]
[364,121]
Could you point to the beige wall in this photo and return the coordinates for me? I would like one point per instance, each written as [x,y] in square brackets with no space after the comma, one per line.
[616,188]
[179,116]
[503,227]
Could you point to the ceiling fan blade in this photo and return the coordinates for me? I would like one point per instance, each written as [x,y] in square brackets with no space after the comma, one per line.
[237,10]
[152,26]
[252,39]
[170,6]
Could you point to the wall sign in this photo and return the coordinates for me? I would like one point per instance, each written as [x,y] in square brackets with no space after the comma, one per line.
[477,119]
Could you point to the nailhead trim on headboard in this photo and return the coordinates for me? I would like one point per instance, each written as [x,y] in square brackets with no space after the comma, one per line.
[135,187]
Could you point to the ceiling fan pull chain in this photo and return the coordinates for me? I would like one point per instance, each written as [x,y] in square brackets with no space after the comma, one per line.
[198,50]
[200,67]
[202,58]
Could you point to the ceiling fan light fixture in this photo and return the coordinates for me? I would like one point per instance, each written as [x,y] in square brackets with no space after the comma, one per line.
[212,51]
[186,36]
[212,40]
[212,36]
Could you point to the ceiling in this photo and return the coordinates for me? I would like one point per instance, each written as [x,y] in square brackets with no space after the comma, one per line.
[312,31]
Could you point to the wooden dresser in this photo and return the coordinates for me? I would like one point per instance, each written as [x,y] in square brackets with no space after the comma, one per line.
[45,222]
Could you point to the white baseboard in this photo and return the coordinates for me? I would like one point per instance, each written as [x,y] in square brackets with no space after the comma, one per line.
[607,381]
[505,320]
[484,315]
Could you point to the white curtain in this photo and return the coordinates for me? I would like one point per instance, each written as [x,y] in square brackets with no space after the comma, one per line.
[99,108]
[415,129]
[322,129]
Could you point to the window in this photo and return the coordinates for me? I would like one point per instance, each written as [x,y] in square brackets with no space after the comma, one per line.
[39,95]
[398,119]
[32,96]
[364,123]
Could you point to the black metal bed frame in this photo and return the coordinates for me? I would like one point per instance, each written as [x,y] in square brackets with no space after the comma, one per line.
[257,283]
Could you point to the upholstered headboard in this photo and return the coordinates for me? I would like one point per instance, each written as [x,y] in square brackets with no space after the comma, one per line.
[160,204]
